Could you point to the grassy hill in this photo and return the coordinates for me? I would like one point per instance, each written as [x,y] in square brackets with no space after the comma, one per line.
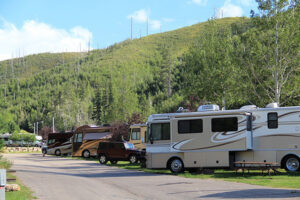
[100,86]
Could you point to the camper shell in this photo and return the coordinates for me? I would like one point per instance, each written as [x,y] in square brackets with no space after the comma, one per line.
[86,139]
[213,138]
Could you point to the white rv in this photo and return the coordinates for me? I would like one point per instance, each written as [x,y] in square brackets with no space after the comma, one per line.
[213,138]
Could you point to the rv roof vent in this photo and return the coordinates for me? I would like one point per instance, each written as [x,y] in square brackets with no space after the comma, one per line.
[209,107]
[248,107]
[272,105]
[181,109]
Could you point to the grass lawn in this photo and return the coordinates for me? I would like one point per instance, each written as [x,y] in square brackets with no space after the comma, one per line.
[24,194]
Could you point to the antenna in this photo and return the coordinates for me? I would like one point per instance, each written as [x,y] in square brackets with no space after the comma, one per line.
[131,28]
[147,25]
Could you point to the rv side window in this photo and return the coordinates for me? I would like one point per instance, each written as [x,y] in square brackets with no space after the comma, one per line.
[224,124]
[272,120]
[190,126]
[79,137]
[160,131]
[136,134]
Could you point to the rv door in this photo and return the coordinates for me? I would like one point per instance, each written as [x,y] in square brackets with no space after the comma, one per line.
[77,142]
[249,134]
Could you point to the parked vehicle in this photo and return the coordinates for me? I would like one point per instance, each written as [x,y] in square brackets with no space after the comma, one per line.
[118,151]
[137,136]
[58,143]
[211,138]
[86,140]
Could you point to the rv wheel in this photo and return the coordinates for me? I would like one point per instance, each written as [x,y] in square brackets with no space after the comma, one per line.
[292,163]
[132,159]
[102,159]
[176,165]
[57,152]
[86,154]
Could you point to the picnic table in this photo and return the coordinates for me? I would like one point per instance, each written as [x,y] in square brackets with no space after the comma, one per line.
[248,165]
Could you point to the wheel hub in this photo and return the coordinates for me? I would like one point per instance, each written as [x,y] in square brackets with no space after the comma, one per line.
[292,164]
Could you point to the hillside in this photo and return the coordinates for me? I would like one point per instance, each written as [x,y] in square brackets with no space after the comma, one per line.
[152,74]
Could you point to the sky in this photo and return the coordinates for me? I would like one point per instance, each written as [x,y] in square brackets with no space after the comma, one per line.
[37,26]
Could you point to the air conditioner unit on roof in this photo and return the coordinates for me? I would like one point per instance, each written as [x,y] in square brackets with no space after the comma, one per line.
[209,107]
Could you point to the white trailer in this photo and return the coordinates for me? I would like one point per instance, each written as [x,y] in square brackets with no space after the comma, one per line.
[213,138]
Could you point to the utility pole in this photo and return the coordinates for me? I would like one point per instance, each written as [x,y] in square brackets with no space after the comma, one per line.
[34,127]
[131,28]
[147,25]
[37,129]
[53,124]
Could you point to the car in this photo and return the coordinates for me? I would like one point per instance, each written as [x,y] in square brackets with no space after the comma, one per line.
[118,151]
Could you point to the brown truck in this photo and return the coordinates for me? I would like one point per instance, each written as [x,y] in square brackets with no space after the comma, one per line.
[118,151]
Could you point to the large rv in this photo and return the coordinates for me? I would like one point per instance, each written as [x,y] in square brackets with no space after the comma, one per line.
[58,144]
[137,136]
[87,138]
[213,138]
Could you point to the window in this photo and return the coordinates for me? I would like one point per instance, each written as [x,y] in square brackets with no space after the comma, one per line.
[160,131]
[190,126]
[272,120]
[78,137]
[102,146]
[136,134]
[51,141]
[224,124]
[119,146]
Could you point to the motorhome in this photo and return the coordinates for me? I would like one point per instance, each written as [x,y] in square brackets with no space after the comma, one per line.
[58,144]
[86,139]
[137,135]
[213,138]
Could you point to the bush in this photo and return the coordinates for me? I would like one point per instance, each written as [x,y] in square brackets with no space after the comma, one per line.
[1,144]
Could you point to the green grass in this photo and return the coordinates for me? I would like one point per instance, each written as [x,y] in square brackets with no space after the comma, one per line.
[24,194]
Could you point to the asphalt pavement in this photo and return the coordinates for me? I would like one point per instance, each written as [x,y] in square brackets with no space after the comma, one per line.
[58,178]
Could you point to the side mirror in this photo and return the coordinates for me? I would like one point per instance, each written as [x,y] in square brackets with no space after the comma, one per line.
[151,140]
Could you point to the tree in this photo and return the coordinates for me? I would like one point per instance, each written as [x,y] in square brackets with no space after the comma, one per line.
[120,131]
[28,138]
[209,70]
[271,52]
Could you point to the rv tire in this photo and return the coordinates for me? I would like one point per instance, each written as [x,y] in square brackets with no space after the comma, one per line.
[102,159]
[86,154]
[291,163]
[57,152]
[175,165]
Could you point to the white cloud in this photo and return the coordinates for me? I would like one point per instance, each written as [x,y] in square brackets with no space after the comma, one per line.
[36,37]
[142,16]
[230,10]
[139,16]
[199,2]
[155,24]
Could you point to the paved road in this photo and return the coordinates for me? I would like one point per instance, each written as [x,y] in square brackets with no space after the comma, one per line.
[55,178]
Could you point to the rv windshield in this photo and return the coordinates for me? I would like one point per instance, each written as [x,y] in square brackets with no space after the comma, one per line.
[160,131]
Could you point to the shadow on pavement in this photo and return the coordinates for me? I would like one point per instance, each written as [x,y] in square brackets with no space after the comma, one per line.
[254,194]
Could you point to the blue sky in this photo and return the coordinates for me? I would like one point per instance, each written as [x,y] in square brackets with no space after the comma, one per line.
[34,26]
